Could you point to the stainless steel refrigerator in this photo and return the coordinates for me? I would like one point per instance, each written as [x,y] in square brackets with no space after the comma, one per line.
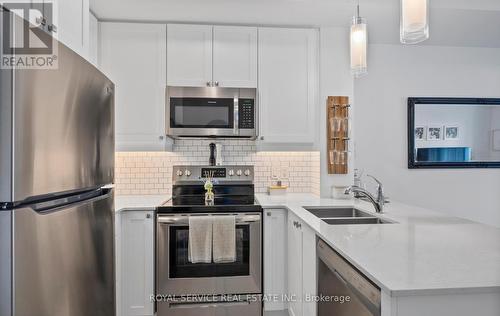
[56,196]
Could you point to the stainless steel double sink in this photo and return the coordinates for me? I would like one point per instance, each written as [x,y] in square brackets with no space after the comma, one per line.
[345,216]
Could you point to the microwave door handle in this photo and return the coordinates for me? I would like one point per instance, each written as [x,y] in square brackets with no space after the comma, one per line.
[236,117]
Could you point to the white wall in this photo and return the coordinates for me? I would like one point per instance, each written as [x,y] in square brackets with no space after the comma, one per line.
[397,72]
[335,80]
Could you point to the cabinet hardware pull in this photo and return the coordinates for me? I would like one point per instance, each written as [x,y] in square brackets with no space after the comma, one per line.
[41,20]
[52,28]
[148,215]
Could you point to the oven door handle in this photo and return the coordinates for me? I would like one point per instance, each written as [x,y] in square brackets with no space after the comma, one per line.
[184,219]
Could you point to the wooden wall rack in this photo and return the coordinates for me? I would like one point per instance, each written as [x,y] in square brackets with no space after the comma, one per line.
[338,134]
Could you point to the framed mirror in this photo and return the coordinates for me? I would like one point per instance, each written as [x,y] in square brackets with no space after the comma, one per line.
[453,133]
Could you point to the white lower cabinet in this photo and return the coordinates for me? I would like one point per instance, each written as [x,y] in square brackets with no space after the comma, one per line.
[275,273]
[134,263]
[289,263]
[301,267]
[309,279]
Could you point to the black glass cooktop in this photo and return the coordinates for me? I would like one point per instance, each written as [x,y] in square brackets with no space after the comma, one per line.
[191,198]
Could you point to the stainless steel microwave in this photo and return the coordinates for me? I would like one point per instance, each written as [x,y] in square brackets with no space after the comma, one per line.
[211,112]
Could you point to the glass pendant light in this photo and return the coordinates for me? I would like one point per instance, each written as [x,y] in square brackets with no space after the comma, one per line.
[414,21]
[359,42]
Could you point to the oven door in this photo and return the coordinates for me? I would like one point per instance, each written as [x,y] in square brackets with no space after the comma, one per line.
[198,116]
[177,276]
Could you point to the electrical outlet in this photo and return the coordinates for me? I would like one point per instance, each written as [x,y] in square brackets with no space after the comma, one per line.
[275,172]
[284,173]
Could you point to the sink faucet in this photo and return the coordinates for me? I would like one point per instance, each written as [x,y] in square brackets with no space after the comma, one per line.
[378,202]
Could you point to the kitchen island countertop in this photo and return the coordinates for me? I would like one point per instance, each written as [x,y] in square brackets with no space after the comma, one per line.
[424,253]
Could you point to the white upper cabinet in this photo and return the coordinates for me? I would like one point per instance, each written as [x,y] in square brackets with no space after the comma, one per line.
[93,39]
[205,55]
[288,87]
[72,25]
[235,56]
[133,56]
[189,55]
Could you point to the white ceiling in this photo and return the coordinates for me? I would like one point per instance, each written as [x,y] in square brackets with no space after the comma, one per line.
[453,22]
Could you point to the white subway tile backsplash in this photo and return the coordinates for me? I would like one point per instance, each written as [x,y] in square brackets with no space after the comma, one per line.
[151,172]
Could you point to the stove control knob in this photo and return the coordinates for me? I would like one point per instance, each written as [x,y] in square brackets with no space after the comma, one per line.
[247,172]
[187,173]
[231,172]
[179,173]
[239,173]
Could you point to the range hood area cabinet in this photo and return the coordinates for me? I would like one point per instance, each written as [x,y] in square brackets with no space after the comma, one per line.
[143,58]
[205,55]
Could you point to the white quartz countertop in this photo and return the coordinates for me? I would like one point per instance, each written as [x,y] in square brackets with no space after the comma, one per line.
[424,253]
[139,202]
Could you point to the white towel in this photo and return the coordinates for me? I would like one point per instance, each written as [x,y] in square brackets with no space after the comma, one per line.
[200,239]
[224,239]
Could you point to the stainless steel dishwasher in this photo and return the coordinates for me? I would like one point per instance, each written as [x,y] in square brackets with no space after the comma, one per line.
[337,280]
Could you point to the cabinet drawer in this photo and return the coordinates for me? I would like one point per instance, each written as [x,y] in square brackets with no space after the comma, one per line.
[210,309]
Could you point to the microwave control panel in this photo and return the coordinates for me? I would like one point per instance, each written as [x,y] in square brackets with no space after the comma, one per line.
[246,113]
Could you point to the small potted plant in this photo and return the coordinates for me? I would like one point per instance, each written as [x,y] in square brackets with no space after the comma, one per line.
[209,194]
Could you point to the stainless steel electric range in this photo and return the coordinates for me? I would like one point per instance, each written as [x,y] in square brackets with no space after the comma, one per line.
[204,289]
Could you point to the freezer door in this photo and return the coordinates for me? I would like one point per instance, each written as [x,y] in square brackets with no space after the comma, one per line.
[64,260]
[63,128]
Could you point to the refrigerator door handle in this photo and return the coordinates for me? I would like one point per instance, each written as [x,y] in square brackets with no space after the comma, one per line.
[54,205]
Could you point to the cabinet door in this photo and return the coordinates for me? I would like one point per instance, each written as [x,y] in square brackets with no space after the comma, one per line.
[295,281]
[133,56]
[309,269]
[235,56]
[189,55]
[93,39]
[72,22]
[136,261]
[275,232]
[288,85]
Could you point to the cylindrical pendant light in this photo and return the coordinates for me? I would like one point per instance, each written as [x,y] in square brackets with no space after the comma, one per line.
[414,21]
[359,42]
